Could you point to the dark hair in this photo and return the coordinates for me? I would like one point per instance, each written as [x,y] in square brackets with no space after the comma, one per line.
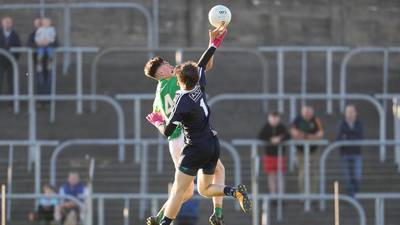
[274,113]
[152,65]
[188,74]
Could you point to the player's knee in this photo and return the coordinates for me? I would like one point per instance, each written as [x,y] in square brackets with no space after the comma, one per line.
[203,191]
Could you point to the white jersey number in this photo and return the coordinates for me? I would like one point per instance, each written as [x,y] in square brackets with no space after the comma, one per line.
[204,106]
[169,104]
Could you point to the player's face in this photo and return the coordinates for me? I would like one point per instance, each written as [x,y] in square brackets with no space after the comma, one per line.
[166,70]
[351,113]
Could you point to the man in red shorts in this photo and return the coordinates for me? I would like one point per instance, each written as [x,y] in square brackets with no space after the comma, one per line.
[274,133]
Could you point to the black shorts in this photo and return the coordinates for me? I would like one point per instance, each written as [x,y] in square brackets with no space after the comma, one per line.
[203,155]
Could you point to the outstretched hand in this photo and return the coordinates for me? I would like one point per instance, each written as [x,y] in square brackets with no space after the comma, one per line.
[217,35]
[155,118]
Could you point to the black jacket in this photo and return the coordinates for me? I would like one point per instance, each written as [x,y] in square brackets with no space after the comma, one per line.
[268,132]
[12,41]
[345,132]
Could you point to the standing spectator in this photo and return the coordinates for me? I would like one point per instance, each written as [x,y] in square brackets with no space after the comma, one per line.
[8,38]
[274,133]
[350,128]
[307,127]
[31,39]
[45,37]
[74,188]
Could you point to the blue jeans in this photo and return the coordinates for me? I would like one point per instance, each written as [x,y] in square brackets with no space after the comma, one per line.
[42,51]
[352,169]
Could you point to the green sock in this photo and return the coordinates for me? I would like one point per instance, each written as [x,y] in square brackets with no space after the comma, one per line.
[160,216]
[218,212]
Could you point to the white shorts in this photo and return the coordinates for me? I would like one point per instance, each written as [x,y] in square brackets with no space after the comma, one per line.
[176,146]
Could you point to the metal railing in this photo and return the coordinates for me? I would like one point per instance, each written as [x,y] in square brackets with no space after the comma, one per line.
[79,51]
[179,56]
[32,110]
[25,196]
[155,200]
[152,31]
[145,143]
[293,109]
[254,144]
[304,51]
[357,51]
[13,143]
[335,146]
[293,197]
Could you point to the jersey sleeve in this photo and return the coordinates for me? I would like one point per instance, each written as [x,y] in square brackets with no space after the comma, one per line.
[202,78]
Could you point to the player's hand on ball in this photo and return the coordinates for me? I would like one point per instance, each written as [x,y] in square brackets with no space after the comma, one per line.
[155,118]
[217,35]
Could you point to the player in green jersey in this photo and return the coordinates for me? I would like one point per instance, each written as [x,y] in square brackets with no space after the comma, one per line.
[162,71]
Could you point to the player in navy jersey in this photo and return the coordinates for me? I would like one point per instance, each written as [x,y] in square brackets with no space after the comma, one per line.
[201,151]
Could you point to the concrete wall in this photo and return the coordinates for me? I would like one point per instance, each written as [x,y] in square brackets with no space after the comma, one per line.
[272,22]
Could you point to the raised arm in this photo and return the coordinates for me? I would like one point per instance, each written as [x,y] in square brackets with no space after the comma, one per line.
[216,37]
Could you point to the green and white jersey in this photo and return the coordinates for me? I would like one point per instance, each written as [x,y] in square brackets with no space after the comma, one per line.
[164,101]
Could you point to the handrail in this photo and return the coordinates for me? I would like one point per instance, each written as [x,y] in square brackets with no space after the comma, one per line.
[15,69]
[304,51]
[335,146]
[266,198]
[79,69]
[37,196]
[368,49]
[145,143]
[254,143]
[32,119]
[152,30]
[96,60]
[294,97]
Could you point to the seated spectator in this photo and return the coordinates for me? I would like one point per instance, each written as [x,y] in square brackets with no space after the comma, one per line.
[307,127]
[74,188]
[45,213]
[45,37]
[274,133]
[8,38]
[350,128]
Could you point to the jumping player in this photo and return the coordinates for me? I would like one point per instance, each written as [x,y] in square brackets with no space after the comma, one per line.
[160,70]
[201,149]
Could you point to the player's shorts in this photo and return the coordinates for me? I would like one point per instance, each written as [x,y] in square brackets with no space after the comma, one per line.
[176,146]
[200,156]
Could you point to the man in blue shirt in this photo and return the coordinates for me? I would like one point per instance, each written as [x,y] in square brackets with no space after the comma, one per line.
[74,188]
[350,128]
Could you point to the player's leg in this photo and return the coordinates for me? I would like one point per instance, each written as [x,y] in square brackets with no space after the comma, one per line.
[175,200]
[207,188]
[219,178]
[175,149]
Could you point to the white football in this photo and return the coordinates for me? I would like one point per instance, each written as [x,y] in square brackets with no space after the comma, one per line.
[218,14]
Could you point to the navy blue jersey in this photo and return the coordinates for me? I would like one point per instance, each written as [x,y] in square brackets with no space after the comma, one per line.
[192,112]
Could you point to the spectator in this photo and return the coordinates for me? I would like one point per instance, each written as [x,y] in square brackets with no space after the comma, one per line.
[8,38]
[74,188]
[307,127]
[45,37]
[31,39]
[350,128]
[45,213]
[274,133]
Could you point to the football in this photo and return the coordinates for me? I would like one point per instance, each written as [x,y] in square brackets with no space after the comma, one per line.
[219,14]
